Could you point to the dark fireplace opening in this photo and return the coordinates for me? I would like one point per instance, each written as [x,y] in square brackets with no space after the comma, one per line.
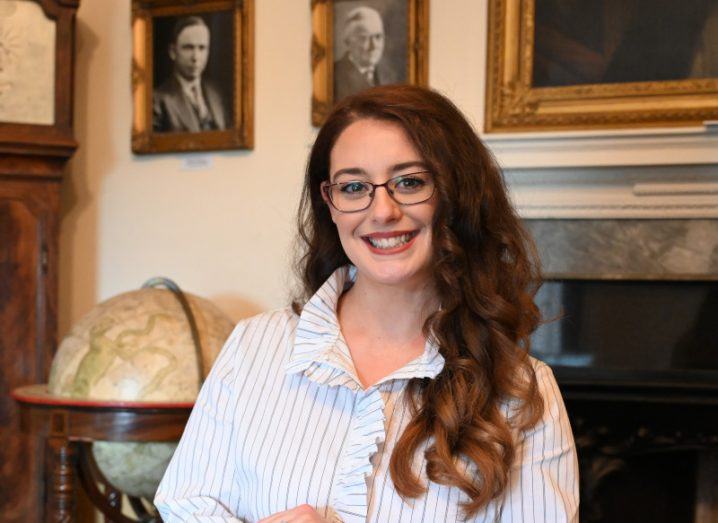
[664,330]
[662,489]
[637,363]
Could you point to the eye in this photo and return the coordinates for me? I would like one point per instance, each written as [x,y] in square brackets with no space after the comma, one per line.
[353,188]
[409,183]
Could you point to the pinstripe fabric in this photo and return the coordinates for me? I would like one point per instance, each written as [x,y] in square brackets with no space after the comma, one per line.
[283,420]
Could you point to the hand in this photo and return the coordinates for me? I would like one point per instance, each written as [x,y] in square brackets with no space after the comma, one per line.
[300,514]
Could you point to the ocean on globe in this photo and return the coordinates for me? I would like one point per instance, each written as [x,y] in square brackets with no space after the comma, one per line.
[137,346]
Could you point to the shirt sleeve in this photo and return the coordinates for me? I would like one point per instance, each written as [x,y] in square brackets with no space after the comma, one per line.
[543,484]
[198,483]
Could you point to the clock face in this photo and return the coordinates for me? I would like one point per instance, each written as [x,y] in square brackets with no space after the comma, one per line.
[27,64]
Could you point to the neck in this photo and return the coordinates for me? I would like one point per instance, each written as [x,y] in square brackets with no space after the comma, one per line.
[186,81]
[390,312]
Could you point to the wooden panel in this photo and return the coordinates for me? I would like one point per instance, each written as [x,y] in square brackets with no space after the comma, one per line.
[27,323]
[19,265]
[32,164]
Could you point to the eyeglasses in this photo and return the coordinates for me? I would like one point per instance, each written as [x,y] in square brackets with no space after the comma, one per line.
[357,195]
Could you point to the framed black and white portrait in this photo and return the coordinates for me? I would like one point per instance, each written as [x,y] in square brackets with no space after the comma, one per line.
[192,77]
[358,44]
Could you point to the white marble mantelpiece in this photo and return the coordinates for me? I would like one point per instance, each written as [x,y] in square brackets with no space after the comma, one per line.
[651,192]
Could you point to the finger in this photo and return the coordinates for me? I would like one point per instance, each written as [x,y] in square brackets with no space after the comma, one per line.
[279,517]
[300,514]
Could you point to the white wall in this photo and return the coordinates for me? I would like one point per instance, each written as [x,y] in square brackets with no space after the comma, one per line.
[226,232]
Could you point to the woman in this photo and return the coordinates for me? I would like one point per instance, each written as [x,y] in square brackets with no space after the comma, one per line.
[402,389]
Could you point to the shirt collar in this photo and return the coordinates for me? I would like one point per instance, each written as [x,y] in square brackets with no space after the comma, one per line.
[369,69]
[187,85]
[321,353]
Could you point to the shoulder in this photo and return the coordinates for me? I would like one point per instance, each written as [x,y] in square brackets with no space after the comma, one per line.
[546,459]
[539,367]
[386,73]
[168,87]
[258,331]
[547,389]
[343,64]
[554,417]
[267,333]
[165,99]
[546,381]
[211,88]
[210,85]
[283,318]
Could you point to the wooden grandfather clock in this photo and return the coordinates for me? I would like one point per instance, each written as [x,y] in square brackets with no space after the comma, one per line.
[36,141]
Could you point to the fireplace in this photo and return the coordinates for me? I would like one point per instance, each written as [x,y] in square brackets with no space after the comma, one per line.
[634,346]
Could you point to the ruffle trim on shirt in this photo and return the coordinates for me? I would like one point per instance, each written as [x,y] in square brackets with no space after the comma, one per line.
[319,350]
[366,433]
[330,375]
[428,365]
[324,359]
[322,355]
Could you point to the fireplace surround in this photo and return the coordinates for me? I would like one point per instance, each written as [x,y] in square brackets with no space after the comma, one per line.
[632,336]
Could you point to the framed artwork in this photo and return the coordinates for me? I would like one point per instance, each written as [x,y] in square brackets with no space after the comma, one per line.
[557,65]
[357,44]
[192,77]
[36,79]
[27,64]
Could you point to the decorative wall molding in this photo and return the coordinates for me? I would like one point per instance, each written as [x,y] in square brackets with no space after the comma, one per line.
[673,188]
[629,194]
[677,146]
[627,211]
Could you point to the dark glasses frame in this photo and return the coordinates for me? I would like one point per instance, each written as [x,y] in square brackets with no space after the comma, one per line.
[326,189]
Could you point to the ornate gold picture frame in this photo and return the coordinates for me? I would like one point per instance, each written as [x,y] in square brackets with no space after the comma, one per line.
[397,32]
[192,75]
[546,72]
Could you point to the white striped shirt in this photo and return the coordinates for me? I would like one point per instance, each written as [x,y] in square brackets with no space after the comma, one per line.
[283,420]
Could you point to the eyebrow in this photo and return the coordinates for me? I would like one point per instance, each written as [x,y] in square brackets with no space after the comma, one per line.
[394,169]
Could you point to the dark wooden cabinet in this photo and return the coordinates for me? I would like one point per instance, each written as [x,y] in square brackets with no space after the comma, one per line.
[28,275]
[33,160]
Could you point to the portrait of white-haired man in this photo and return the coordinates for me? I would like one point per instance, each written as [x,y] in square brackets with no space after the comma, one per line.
[186,101]
[363,64]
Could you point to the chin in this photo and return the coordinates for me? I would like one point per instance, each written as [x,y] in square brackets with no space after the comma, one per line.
[394,274]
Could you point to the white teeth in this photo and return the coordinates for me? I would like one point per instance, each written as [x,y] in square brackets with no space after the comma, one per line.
[389,243]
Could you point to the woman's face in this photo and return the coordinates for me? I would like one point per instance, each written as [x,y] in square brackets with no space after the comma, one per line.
[388,243]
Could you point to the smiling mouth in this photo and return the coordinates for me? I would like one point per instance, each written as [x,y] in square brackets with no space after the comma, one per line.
[391,242]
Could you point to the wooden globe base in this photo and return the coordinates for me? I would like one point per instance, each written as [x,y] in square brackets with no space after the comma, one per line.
[107,500]
[68,427]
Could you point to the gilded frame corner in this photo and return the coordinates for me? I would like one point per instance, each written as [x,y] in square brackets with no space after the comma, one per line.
[514,104]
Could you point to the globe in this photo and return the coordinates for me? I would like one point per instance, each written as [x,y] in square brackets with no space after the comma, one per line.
[139,346]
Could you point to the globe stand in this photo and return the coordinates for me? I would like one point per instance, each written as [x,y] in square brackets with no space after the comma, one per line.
[68,427]
[108,502]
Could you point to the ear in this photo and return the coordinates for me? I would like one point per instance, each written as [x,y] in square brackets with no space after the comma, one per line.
[332,210]
[323,192]
[173,52]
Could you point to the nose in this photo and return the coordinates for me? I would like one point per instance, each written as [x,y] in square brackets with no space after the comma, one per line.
[383,208]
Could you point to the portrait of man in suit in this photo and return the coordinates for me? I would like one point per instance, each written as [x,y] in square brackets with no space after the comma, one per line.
[187,101]
[363,63]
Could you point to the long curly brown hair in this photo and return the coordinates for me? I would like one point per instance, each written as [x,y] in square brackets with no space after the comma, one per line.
[486,275]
